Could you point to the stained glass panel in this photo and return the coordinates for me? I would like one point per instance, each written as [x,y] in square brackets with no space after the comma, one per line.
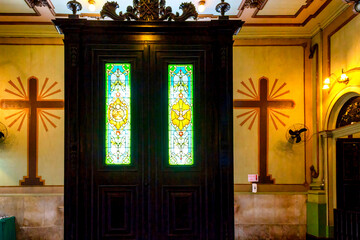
[181,114]
[118,113]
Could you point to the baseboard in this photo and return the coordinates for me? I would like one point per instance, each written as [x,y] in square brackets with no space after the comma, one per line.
[311,237]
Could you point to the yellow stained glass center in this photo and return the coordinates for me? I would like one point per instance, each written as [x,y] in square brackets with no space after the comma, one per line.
[118,113]
[181,114]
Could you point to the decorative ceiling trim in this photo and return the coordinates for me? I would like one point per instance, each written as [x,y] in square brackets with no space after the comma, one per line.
[37,3]
[258,4]
[36,13]
[307,4]
[26,23]
[317,12]
[41,3]
[273,24]
[291,24]
[246,4]
[56,41]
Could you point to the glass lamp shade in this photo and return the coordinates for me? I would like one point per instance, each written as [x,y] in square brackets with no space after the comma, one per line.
[357,6]
[92,7]
[344,77]
[201,7]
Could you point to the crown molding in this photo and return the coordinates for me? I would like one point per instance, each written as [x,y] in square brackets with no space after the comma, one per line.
[291,32]
[327,21]
[28,31]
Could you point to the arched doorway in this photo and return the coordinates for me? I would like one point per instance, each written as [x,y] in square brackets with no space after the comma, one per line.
[339,127]
[347,212]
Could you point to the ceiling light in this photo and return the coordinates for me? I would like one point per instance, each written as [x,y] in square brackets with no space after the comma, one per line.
[201,6]
[357,6]
[92,7]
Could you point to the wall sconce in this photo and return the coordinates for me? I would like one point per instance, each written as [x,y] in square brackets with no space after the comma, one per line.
[342,79]
[201,6]
[92,7]
[328,82]
[356,4]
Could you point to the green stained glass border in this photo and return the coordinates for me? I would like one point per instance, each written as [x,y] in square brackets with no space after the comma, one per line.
[180,115]
[118,114]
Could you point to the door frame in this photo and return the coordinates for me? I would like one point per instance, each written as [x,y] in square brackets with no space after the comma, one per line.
[79,34]
[327,147]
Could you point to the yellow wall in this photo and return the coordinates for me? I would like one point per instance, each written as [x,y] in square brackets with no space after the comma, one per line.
[345,54]
[339,47]
[24,61]
[285,60]
[341,51]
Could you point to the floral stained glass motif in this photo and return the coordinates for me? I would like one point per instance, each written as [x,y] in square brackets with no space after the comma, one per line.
[181,114]
[118,113]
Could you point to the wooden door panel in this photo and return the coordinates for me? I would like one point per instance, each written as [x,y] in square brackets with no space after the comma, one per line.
[348,173]
[117,209]
[347,214]
[116,193]
[181,211]
[180,192]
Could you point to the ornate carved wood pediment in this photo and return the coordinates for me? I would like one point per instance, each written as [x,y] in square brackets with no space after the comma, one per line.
[149,10]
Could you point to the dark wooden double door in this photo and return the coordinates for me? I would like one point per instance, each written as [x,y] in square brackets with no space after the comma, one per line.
[148,199]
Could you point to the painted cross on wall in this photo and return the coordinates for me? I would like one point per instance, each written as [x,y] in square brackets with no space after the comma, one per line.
[32,106]
[263,105]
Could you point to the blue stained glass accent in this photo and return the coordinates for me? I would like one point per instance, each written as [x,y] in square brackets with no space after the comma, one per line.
[180,103]
[118,113]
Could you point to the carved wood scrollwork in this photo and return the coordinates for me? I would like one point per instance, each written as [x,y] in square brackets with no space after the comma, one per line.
[259,4]
[37,3]
[148,10]
[223,52]
[74,56]
[73,153]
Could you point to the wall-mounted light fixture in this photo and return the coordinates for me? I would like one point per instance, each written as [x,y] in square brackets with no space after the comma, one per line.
[332,78]
[329,81]
[201,6]
[92,7]
[326,84]
[356,4]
